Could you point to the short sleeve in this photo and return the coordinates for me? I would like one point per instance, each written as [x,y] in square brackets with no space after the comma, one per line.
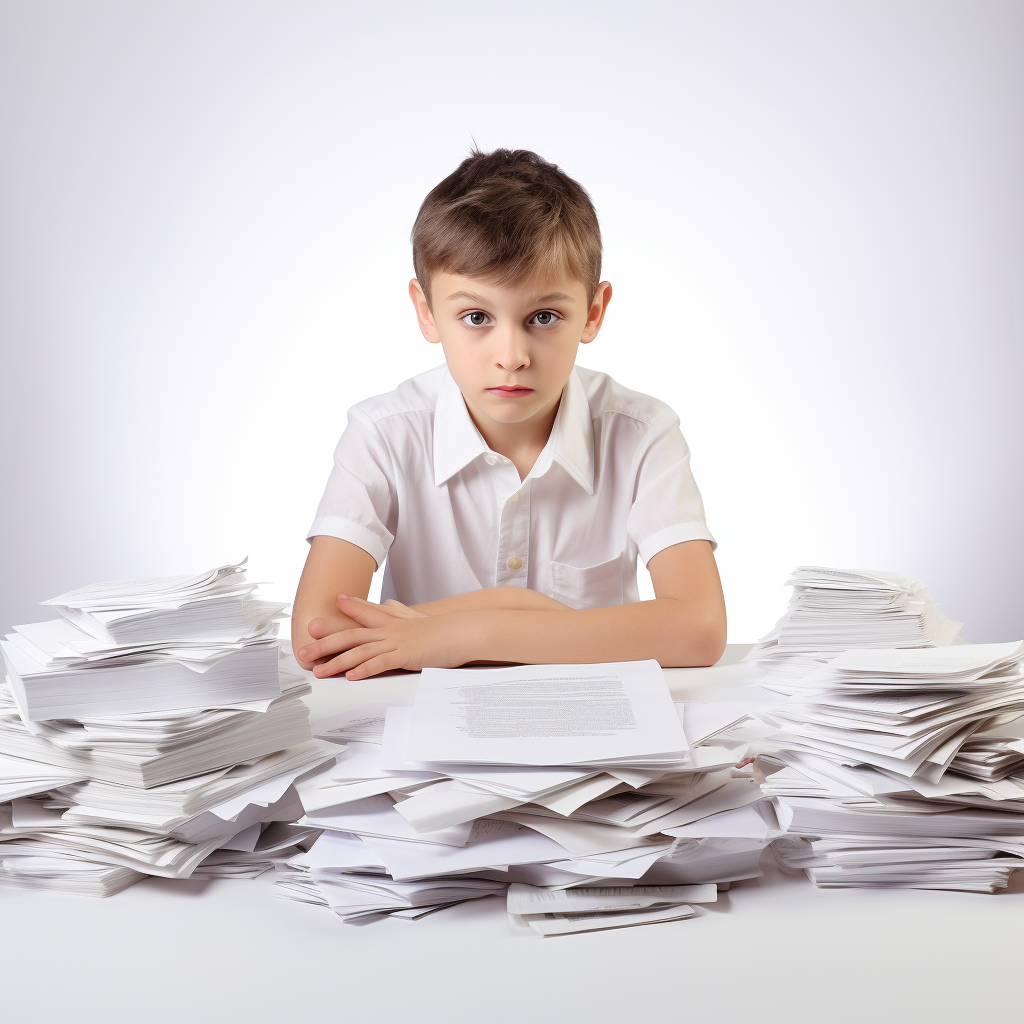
[359,502]
[667,507]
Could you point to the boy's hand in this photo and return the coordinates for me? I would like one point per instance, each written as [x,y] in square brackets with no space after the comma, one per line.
[390,636]
[321,628]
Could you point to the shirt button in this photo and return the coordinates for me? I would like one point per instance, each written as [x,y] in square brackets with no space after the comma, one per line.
[515,497]
[490,459]
[514,562]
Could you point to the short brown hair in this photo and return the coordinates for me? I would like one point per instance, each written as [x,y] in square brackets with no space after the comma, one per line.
[507,216]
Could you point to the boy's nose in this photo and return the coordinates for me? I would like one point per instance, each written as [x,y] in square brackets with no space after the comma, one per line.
[513,353]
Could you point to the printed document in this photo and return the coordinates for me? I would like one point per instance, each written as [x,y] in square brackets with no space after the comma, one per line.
[544,715]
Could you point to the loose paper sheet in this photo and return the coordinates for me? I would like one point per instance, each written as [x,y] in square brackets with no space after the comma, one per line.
[544,715]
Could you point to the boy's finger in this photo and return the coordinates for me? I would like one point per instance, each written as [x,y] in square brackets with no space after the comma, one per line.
[382,663]
[336,642]
[350,659]
[365,613]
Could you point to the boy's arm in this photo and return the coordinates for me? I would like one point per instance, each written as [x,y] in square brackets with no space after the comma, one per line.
[683,626]
[492,599]
[332,567]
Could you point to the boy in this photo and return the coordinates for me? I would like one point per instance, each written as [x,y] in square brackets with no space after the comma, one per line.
[509,491]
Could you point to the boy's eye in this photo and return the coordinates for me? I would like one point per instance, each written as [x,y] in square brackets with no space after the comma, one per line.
[545,318]
[476,319]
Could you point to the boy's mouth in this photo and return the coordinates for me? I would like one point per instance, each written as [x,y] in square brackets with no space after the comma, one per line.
[510,390]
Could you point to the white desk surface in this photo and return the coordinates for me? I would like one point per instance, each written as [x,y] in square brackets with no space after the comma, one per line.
[772,949]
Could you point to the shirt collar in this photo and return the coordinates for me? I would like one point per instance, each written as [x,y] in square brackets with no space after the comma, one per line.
[457,442]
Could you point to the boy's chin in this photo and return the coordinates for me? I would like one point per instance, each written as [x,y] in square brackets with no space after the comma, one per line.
[501,413]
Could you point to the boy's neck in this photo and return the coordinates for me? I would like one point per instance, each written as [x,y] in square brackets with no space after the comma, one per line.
[520,443]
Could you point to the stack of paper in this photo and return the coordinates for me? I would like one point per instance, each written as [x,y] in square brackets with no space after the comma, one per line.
[990,758]
[218,604]
[164,645]
[549,776]
[891,771]
[832,610]
[183,780]
[151,749]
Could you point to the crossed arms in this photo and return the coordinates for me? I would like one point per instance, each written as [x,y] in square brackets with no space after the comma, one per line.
[336,631]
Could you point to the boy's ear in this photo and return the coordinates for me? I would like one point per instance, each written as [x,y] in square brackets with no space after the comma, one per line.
[423,315]
[595,315]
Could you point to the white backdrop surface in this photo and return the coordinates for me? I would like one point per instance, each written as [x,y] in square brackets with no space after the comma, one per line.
[812,220]
[773,950]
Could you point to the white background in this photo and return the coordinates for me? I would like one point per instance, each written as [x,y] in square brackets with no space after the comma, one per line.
[812,217]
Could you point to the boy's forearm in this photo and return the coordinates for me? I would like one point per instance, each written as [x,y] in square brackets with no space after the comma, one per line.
[674,634]
[332,567]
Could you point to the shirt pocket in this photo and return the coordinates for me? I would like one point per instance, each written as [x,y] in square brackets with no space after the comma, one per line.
[593,586]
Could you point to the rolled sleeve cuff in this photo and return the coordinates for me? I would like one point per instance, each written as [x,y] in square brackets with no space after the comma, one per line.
[345,529]
[677,533]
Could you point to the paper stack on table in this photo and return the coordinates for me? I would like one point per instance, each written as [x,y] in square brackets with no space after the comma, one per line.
[161,742]
[833,610]
[550,776]
[213,605]
[893,774]
[147,645]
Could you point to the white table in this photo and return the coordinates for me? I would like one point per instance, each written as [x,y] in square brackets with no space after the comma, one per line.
[773,949]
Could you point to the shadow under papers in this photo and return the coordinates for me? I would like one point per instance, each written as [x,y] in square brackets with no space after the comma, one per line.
[1016,886]
[722,905]
[180,886]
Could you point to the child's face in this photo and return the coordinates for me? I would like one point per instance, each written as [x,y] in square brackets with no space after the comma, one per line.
[510,348]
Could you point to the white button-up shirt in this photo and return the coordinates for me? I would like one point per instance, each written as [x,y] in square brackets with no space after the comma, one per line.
[415,484]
